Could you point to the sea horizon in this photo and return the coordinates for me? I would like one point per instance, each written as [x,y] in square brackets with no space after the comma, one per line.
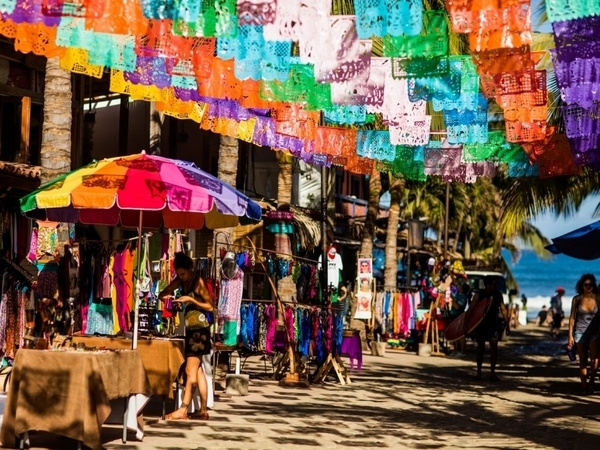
[538,278]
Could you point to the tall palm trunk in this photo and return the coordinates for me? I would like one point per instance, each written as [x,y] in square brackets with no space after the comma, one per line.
[283,242]
[55,155]
[228,160]
[391,243]
[284,178]
[157,119]
[366,246]
[228,167]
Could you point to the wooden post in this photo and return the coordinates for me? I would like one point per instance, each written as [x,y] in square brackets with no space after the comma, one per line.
[432,308]
[25,129]
[124,124]
[293,377]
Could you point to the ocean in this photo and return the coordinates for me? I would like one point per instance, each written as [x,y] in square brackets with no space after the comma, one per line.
[538,278]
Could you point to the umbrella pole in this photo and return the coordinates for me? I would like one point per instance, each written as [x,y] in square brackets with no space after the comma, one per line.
[136,311]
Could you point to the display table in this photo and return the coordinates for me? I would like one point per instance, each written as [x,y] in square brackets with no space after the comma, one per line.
[69,393]
[352,348]
[162,357]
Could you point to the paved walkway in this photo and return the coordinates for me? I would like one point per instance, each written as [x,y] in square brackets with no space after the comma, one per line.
[400,401]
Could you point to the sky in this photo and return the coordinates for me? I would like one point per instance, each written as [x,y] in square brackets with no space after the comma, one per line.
[535,18]
[552,227]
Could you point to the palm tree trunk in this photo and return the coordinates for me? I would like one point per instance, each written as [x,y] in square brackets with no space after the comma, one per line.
[228,160]
[283,243]
[456,239]
[157,119]
[366,246]
[284,178]
[391,242]
[228,168]
[55,155]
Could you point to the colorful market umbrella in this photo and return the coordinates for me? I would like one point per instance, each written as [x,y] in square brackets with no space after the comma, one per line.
[582,243]
[143,191]
[169,192]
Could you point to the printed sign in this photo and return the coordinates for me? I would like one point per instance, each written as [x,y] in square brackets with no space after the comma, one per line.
[364,293]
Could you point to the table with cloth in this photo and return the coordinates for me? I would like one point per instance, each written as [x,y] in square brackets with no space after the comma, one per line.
[162,357]
[69,393]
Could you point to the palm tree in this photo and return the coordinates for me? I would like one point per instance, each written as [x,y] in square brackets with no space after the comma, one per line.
[284,195]
[228,168]
[524,198]
[284,177]
[366,246]
[391,243]
[55,154]
[228,160]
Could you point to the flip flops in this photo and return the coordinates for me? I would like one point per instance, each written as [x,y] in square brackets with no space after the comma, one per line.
[494,378]
[175,416]
[197,415]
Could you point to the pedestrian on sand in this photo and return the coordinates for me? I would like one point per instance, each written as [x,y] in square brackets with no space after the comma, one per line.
[524,302]
[488,329]
[198,310]
[542,316]
[556,309]
[584,328]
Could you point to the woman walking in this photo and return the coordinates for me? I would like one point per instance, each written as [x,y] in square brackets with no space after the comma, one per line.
[584,328]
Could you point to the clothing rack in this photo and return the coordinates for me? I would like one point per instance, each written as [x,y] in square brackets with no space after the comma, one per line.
[83,240]
[258,300]
[408,288]
[17,268]
[310,261]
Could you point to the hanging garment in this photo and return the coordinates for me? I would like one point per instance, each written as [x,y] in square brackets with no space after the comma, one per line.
[305,337]
[47,280]
[47,239]
[327,323]
[128,274]
[100,317]
[122,289]
[338,332]
[379,322]
[248,329]
[262,327]
[32,255]
[144,282]
[230,301]
[271,327]
[320,354]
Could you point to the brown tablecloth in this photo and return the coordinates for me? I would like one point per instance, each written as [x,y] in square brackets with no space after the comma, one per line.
[162,358]
[68,393]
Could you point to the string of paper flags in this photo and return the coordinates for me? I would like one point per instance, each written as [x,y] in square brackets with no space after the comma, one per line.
[291,75]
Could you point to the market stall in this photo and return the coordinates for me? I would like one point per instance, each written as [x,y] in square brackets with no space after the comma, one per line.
[162,357]
[70,393]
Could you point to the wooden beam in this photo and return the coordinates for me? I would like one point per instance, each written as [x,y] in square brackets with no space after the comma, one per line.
[123,125]
[18,183]
[36,97]
[25,129]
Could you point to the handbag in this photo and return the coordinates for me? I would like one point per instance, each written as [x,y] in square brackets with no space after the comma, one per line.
[196,319]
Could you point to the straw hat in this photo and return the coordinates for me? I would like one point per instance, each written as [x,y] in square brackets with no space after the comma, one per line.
[457,269]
